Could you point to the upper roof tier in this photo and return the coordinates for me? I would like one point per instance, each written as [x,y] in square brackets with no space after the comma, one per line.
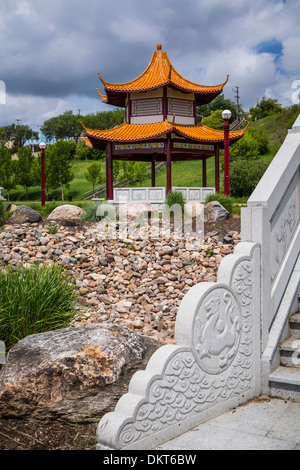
[160,72]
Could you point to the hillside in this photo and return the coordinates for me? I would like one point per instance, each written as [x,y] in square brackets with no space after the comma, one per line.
[277,125]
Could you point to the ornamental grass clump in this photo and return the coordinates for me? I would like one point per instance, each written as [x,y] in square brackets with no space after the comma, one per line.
[35,300]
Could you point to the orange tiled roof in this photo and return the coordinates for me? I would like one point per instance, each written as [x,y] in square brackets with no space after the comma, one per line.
[160,72]
[141,132]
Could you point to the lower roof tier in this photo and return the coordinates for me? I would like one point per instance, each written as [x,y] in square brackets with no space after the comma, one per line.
[129,133]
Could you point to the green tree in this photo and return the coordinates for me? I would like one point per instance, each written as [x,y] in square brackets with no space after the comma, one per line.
[83,152]
[246,148]
[7,169]
[116,169]
[265,107]
[140,171]
[244,176]
[18,135]
[104,119]
[218,103]
[214,120]
[60,156]
[93,174]
[24,168]
[66,125]
[128,170]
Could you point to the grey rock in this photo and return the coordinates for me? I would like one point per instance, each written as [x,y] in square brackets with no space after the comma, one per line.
[76,374]
[214,212]
[23,214]
[66,211]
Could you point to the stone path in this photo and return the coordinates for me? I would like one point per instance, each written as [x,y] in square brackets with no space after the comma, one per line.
[261,424]
[135,282]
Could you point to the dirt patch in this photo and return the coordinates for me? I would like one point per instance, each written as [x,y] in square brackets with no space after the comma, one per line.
[223,227]
[16,434]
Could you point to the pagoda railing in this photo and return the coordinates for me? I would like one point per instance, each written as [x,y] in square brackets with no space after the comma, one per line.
[100,190]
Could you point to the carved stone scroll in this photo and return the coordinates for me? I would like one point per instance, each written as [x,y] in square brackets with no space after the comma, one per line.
[212,367]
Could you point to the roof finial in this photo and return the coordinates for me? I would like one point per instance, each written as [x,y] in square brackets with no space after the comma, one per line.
[159,47]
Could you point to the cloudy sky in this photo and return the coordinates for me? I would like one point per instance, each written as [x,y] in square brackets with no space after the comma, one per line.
[51,51]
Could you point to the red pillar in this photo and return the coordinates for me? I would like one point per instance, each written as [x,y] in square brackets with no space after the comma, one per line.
[217,169]
[169,163]
[226,157]
[204,172]
[43,176]
[109,168]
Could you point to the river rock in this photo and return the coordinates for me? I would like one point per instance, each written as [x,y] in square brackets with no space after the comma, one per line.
[76,374]
[215,212]
[24,214]
[66,212]
[134,210]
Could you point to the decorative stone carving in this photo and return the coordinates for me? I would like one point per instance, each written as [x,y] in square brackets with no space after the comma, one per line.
[211,367]
[283,229]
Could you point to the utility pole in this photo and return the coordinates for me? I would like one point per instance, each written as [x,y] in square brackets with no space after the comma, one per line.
[237,97]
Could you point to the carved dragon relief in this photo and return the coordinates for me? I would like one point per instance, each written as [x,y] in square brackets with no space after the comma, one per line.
[216,366]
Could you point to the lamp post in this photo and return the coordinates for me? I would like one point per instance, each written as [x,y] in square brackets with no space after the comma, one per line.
[226,115]
[42,147]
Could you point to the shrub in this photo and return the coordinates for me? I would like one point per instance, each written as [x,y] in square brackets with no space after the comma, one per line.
[175,197]
[244,176]
[34,300]
[90,214]
[224,200]
[2,214]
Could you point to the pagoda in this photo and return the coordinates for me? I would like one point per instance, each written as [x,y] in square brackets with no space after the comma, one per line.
[160,121]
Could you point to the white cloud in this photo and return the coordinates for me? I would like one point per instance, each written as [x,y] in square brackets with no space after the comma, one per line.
[51,51]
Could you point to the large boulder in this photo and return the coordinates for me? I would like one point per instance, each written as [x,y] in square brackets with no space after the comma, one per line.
[215,212]
[66,212]
[133,210]
[76,374]
[24,214]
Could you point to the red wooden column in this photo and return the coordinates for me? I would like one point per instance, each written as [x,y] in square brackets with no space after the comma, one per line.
[217,168]
[169,163]
[204,172]
[109,173]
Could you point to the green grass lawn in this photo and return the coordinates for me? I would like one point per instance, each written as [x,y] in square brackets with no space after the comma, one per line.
[188,173]
[78,186]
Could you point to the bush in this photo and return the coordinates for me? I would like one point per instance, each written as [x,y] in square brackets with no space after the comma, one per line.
[35,300]
[175,197]
[224,200]
[90,214]
[2,214]
[244,176]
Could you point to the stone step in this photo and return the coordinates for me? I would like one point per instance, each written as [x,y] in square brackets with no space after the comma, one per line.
[295,324]
[285,383]
[290,352]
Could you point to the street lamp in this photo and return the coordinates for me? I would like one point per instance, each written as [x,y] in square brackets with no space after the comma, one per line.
[42,147]
[226,116]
